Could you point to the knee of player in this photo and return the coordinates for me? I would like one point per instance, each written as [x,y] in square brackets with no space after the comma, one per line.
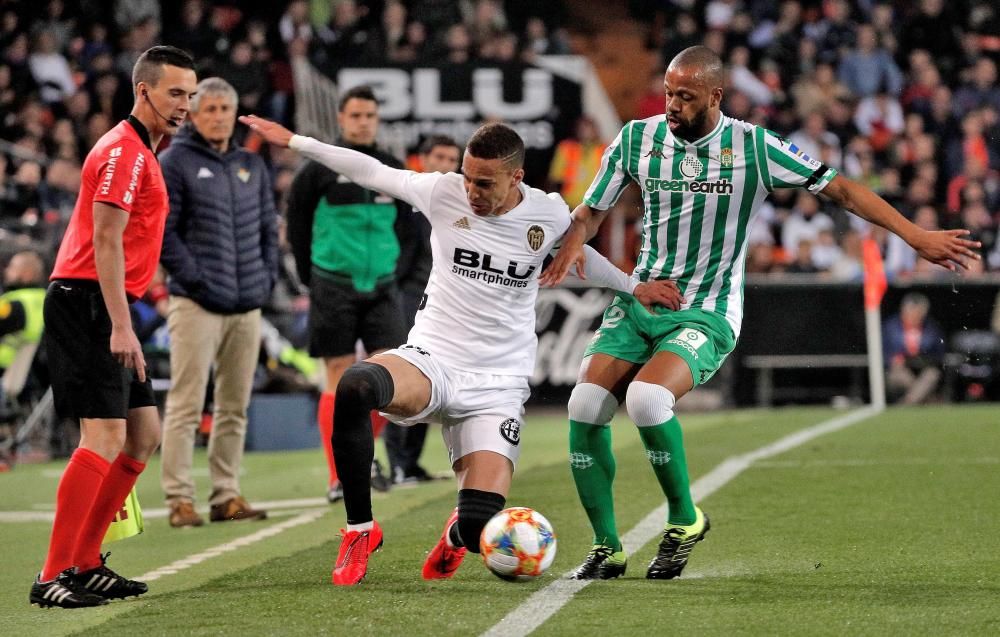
[365,385]
[591,404]
[649,404]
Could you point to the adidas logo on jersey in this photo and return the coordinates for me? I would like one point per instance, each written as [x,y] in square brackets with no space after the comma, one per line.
[462,224]
[205,173]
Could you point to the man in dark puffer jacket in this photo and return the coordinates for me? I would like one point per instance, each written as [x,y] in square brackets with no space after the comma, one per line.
[221,251]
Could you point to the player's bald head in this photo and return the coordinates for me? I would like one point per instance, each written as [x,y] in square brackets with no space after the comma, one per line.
[702,64]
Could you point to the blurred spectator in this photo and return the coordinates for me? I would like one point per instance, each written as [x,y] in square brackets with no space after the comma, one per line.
[57,24]
[130,13]
[914,351]
[804,224]
[194,33]
[21,322]
[294,25]
[900,258]
[50,69]
[985,179]
[879,117]
[743,79]
[814,140]
[683,34]
[825,251]
[247,75]
[802,263]
[981,90]
[576,162]
[388,42]
[868,68]
[836,31]
[653,101]
[538,40]
[814,91]
[848,266]
[932,30]
[343,39]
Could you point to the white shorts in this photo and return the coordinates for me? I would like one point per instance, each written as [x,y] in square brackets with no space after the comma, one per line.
[477,412]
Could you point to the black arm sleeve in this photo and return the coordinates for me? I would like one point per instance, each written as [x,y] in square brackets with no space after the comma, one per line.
[303,197]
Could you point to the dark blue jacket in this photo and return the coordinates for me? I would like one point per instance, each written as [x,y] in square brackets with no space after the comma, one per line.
[220,245]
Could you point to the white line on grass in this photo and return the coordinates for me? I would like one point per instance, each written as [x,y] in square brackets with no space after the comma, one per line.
[246,540]
[161,512]
[546,602]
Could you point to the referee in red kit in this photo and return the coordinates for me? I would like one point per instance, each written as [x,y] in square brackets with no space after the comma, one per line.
[106,260]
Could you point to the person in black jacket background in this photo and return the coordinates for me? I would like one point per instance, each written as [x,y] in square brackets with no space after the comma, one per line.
[347,241]
[220,249]
[438,153]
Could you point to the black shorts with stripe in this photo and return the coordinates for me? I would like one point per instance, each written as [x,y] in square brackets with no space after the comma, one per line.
[87,381]
[339,315]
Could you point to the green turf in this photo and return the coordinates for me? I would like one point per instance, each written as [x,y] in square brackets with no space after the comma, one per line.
[887,527]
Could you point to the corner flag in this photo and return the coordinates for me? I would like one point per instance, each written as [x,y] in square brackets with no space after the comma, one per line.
[128,520]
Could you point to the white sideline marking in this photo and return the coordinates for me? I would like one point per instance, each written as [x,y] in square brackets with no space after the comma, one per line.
[246,540]
[162,512]
[544,603]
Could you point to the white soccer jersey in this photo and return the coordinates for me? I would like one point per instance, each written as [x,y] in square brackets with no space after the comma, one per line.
[700,201]
[479,310]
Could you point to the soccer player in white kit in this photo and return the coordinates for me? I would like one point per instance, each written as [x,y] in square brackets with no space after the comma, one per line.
[467,360]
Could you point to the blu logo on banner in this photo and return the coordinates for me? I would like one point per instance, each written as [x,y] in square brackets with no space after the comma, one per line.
[417,93]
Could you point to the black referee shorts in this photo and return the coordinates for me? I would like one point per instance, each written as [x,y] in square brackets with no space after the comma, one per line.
[87,381]
[339,315]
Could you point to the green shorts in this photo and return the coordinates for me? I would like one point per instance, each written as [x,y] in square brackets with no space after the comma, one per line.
[629,332]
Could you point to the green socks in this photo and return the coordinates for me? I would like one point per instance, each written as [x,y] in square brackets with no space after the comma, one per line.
[593,466]
[665,450]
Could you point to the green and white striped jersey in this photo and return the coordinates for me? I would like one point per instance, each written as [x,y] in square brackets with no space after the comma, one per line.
[700,201]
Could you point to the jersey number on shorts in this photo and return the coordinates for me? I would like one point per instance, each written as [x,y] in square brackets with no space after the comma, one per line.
[612,317]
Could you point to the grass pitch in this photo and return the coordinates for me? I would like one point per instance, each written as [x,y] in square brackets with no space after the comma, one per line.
[886,527]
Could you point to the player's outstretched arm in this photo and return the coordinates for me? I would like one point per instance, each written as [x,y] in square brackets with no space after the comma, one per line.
[650,293]
[946,248]
[586,221]
[360,168]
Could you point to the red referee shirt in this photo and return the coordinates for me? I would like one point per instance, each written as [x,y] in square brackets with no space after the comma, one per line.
[121,170]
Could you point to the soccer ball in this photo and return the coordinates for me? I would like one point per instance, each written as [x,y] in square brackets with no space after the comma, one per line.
[518,544]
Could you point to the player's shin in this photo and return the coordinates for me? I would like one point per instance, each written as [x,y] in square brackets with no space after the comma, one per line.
[592,462]
[651,408]
[364,387]
[475,508]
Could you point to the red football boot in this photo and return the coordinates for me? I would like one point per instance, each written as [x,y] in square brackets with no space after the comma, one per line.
[444,560]
[352,560]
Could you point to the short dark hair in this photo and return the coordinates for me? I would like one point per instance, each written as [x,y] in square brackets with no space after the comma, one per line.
[362,92]
[149,67]
[497,141]
[434,141]
[704,61]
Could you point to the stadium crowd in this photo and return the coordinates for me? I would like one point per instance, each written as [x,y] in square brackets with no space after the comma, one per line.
[902,96]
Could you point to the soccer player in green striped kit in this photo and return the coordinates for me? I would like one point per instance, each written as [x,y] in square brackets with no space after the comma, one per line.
[703,177]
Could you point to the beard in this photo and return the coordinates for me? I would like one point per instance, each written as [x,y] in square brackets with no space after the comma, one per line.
[690,131]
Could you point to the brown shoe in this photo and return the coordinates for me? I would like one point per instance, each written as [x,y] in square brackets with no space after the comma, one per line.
[182,514]
[235,509]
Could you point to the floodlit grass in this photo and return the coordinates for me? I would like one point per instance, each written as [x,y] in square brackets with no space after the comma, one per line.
[886,527]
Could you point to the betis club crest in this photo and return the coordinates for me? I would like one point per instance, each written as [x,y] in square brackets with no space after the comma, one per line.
[536,237]
[726,158]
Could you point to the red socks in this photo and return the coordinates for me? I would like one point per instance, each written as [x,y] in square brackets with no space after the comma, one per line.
[115,488]
[378,423]
[325,419]
[75,496]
